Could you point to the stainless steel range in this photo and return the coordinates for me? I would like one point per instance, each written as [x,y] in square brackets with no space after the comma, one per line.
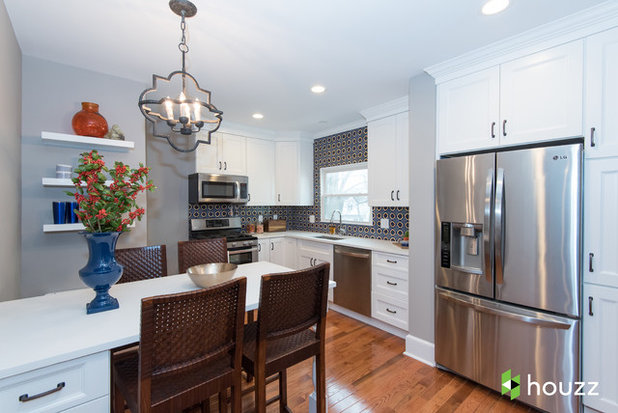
[241,247]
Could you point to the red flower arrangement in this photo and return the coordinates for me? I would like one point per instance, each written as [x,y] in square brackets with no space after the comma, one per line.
[108,208]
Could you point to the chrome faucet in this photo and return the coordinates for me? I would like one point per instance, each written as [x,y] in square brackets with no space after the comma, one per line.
[341,230]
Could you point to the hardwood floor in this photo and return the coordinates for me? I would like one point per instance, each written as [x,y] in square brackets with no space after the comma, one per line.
[367,372]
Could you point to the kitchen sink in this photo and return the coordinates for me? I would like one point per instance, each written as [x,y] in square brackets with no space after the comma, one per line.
[332,237]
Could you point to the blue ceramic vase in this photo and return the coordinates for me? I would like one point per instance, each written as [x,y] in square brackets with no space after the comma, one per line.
[102,271]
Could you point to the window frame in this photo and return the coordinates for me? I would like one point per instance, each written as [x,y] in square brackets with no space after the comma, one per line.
[343,168]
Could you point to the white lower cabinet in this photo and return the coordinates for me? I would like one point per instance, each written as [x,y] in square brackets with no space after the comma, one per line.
[311,253]
[62,386]
[600,344]
[389,289]
[100,405]
[279,250]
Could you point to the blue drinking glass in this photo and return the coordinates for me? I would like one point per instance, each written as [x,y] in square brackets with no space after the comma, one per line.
[71,216]
[59,212]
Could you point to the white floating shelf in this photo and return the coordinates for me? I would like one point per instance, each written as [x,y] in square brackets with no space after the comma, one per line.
[63,227]
[88,141]
[69,227]
[63,182]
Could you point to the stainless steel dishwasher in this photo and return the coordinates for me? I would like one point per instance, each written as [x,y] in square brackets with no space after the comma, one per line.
[352,272]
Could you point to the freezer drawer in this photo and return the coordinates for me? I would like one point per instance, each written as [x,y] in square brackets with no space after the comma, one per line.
[481,339]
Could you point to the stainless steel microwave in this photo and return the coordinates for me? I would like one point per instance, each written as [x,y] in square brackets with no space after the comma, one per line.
[218,188]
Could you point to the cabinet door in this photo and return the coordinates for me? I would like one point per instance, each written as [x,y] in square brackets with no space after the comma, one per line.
[601,222]
[233,154]
[261,172]
[601,102]
[541,96]
[468,112]
[403,156]
[290,252]
[263,250]
[600,358]
[277,251]
[286,167]
[382,161]
[206,157]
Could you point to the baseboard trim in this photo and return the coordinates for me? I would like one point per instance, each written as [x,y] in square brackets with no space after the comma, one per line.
[368,320]
[420,350]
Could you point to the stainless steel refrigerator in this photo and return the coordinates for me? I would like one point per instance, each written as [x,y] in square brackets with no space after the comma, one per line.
[508,270]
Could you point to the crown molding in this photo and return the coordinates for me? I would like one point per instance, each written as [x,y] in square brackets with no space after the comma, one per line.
[341,128]
[390,108]
[573,27]
[244,130]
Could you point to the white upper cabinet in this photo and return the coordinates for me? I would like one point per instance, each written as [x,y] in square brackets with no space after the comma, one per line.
[468,112]
[387,152]
[294,173]
[541,95]
[226,154]
[531,99]
[601,101]
[261,172]
[601,222]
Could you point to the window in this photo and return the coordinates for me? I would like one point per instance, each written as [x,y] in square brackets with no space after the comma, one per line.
[344,189]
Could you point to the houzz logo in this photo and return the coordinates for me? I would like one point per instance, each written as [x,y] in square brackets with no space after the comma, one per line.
[511,384]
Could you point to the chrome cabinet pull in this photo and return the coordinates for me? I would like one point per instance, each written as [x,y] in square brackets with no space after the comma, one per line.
[272,246]
[493,130]
[248,197]
[224,165]
[220,165]
[590,313]
[279,197]
[391,283]
[398,195]
[392,261]
[504,127]
[590,257]
[592,142]
[391,311]
[259,247]
[392,195]
[25,398]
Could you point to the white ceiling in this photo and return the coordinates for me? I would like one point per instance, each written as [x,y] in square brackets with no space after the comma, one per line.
[263,56]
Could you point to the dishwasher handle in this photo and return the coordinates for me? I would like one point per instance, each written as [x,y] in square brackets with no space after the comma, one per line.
[351,254]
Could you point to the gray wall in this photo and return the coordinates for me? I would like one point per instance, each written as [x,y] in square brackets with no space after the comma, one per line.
[10,170]
[167,206]
[52,93]
[422,94]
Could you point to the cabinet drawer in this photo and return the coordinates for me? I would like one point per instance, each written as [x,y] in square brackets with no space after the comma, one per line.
[315,248]
[389,310]
[100,405]
[390,282]
[85,379]
[393,261]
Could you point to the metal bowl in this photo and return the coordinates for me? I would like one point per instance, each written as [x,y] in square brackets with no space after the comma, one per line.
[207,275]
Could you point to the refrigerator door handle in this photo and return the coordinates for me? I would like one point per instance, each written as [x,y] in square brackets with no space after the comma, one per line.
[491,308]
[489,190]
[499,226]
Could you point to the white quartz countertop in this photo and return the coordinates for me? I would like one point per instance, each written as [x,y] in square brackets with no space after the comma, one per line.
[41,331]
[366,243]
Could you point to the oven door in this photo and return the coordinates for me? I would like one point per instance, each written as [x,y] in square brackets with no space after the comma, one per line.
[242,255]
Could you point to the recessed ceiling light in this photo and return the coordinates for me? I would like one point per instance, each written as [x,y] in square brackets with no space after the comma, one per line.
[318,89]
[494,6]
[258,116]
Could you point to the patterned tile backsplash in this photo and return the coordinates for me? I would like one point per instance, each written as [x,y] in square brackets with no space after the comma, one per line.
[339,149]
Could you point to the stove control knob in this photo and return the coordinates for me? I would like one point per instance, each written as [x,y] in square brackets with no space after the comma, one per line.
[233,244]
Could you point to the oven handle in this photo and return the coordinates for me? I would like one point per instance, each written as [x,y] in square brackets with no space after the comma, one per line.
[242,251]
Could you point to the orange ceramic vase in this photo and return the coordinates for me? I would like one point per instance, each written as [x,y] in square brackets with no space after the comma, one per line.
[89,122]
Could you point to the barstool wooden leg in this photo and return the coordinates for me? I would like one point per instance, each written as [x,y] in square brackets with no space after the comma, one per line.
[320,385]
[283,391]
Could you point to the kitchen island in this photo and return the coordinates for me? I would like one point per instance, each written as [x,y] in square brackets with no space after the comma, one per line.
[50,343]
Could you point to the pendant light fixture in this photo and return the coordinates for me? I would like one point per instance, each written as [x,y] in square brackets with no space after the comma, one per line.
[176,105]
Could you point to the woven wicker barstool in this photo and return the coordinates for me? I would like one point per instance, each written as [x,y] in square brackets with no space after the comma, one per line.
[290,304]
[190,349]
[142,263]
[203,251]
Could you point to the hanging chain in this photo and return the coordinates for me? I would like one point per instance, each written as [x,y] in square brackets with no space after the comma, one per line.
[182,46]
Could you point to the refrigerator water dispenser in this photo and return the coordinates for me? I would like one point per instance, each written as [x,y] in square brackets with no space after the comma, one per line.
[461,247]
